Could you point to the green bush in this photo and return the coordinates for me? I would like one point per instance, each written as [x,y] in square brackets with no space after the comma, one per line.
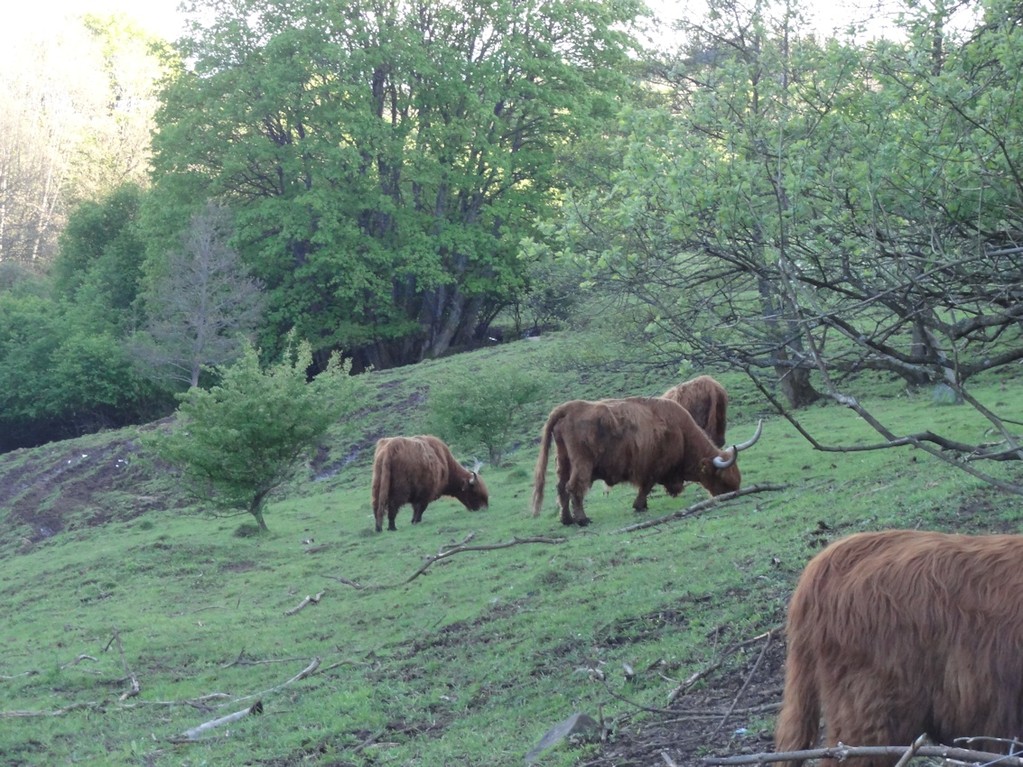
[480,411]
[241,440]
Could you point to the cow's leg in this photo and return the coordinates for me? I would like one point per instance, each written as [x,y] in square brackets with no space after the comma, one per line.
[564,472]
[577,487]
[392,514]
[644,490]
[417,512]
[378,517]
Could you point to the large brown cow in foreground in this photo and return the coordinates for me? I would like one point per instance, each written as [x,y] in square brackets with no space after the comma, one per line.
[898,633]
[419,470]
[645,441]
[707,402]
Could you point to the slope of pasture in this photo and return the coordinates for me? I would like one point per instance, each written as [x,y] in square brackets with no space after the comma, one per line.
[132,618]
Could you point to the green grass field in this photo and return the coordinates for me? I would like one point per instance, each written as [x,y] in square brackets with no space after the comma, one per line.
[142,618]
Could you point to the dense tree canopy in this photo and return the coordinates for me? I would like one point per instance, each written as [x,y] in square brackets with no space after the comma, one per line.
[386,156]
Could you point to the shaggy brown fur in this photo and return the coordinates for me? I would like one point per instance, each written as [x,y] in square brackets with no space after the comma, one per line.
[707,402]
[898,633]
[419,470]
[641,440]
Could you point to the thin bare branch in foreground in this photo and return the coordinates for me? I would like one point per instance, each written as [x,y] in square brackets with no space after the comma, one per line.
[696,508]
[489,547]
[842,752]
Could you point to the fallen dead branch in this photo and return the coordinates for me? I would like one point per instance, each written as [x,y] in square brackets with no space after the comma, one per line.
[701,506]
[346,581]
[745,685]
[134,688]
[307,671]
[461,547]
[54,712]
[728,651]
[842,752]
[195,732]
[305,602]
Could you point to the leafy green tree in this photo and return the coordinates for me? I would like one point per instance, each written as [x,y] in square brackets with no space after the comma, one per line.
[100,265]
[385,157]
[480,410]
[241,440]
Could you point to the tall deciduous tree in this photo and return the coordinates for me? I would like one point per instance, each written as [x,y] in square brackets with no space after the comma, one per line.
[202,307]
[386,156]
[818,208]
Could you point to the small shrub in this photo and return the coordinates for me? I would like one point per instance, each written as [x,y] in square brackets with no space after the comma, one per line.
[480,410]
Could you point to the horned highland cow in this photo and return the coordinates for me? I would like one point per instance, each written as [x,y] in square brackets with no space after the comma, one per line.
[418,471]
[898,633]
[707,402]
[644,441]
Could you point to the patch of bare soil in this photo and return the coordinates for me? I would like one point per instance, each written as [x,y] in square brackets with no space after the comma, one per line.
[64,484]
[725,714]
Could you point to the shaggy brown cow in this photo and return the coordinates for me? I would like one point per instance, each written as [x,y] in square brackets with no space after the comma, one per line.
[641,440]
[419,470]
[707,402]
[897,633]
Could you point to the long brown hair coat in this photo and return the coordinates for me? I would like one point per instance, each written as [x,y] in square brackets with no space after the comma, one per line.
[418,471]
[641,440]
[898,633]
[707,402]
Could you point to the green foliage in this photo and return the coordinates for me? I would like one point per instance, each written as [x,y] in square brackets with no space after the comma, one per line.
[482,409]
[383,181]
[244,438]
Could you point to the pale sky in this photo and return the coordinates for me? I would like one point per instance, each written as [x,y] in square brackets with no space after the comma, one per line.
[161,16]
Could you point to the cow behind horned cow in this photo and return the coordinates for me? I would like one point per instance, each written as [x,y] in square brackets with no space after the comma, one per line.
[897,633]
[418,471]
[641,440]
[707,402]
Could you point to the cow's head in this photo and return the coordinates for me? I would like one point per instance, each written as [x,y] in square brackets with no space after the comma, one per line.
[720,473]
[473,493]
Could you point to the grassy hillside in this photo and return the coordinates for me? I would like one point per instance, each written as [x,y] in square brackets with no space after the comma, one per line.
[131,617]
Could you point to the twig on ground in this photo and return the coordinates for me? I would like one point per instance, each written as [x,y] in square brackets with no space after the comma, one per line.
[841,753]
[731,650]
[459,548]
[696,508]
[55,712]
[345,581]
[135,688]
[307,671]
[305,602]
[745,685]
[195,732]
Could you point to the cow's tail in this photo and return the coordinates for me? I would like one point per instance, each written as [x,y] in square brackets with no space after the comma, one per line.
[540,473]
[381,488]
[798,722]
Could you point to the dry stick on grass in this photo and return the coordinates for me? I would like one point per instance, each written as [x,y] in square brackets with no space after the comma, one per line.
[307,671]
[305,602]
[696,508]
[841,753]
[459,548]
[746,683]
[694,678]
[55,712]
[135,687]
[195,732]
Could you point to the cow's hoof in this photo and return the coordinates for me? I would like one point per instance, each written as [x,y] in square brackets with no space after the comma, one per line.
[567,522]
[640,510]
[391,528]
[583,522]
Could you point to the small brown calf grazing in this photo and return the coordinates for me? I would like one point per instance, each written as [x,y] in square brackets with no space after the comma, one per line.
[418,471]
[897,633]
[707,402]
[641,440]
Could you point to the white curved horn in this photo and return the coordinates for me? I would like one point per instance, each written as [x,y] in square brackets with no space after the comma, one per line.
[752,440]
[733,452]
